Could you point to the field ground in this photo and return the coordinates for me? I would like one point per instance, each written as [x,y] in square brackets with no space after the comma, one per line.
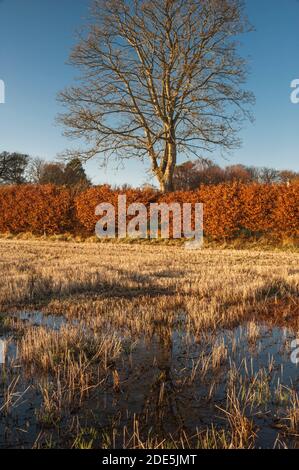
[142,346]
[240,243]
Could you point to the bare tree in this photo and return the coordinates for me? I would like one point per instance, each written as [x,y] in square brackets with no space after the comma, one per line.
[34,170]
[268,175]
[159,78]
[238,173]
[287,176]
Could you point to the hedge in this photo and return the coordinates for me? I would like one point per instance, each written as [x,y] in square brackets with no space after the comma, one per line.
[230,210]
[40,209]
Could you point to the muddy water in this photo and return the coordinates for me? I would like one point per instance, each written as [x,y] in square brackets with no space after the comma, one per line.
[170,383]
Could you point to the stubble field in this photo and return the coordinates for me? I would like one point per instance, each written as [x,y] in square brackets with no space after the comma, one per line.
[140,346]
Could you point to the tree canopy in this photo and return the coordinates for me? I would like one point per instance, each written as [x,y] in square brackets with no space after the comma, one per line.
[158,79]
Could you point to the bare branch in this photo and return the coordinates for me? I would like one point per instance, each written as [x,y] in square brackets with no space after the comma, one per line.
[159,78]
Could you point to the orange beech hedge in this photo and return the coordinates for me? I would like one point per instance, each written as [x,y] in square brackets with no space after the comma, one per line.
[286,213]
[230,210]
[87,201]
[40,209]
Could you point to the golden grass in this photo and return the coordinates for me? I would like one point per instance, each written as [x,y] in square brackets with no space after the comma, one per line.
[151,284]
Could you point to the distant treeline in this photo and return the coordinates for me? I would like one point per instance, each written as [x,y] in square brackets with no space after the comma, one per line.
[191,175]
[16,168]
[231,210]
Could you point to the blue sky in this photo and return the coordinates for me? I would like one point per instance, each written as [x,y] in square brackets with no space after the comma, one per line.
[35,40]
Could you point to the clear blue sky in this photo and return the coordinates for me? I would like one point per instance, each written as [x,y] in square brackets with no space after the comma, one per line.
[35,40]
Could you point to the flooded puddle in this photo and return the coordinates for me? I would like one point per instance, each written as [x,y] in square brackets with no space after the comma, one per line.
[171,383]
[38,319]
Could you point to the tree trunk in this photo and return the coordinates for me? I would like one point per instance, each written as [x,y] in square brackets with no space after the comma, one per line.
[169,164]
[166,186]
